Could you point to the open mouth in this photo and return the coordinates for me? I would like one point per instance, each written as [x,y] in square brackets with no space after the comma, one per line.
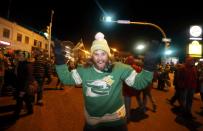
[101,64]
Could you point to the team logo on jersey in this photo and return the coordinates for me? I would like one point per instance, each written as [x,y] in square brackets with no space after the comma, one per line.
[100,87]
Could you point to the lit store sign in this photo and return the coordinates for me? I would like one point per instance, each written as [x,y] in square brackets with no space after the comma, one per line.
[196,32]
[4,43]
[195,49]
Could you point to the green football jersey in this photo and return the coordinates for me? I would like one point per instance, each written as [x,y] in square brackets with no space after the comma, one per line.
[102,91]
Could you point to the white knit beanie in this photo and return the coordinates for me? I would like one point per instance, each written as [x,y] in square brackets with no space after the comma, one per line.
[100,44]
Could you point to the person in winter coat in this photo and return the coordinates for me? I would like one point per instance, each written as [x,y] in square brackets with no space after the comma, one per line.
[26,85]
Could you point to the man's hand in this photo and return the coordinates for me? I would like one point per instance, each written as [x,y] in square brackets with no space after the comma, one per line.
[150,61]
[152,57]
[58,52]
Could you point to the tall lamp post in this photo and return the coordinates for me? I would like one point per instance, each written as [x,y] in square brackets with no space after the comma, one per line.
[164,39]
[49,33]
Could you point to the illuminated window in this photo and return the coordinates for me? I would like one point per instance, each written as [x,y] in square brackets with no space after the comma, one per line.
[35,42]
[27,39]
[19,37]
[40,44]
[6,33]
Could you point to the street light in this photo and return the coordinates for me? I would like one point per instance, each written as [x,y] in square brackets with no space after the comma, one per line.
[114,49]
[140,47]
[168,52]
[165,39]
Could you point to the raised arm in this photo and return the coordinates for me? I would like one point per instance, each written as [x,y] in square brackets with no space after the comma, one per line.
[64,75]
[141,80]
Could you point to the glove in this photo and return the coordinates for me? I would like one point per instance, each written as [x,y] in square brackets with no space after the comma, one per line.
[151,57]
[58,52]
[150,61]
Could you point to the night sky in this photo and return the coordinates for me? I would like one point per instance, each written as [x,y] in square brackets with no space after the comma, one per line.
[78,19]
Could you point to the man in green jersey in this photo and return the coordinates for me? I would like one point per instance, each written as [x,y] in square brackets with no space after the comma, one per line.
[101,81]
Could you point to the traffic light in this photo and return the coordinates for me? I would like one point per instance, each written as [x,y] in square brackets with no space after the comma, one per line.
[47,33]
[48,29]
[167,44]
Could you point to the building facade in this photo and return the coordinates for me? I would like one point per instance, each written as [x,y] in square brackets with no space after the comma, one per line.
[16,37]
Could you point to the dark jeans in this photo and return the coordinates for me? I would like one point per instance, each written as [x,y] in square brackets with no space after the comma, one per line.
[187,96]
[177,96]
[28,99]
[49,79]
[161,84]
[106,128]
[127,100]
[40,82]
[147,93]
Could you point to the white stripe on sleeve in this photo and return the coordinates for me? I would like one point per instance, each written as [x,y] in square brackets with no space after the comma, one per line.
[76,77]
[131,78]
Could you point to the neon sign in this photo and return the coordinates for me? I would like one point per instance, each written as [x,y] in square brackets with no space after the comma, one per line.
[4,43]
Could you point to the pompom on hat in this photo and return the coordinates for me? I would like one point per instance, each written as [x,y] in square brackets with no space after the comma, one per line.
[100,44]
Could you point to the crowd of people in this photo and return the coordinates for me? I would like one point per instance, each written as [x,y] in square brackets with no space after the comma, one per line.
[187,81]
[107,84]
[25,76]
